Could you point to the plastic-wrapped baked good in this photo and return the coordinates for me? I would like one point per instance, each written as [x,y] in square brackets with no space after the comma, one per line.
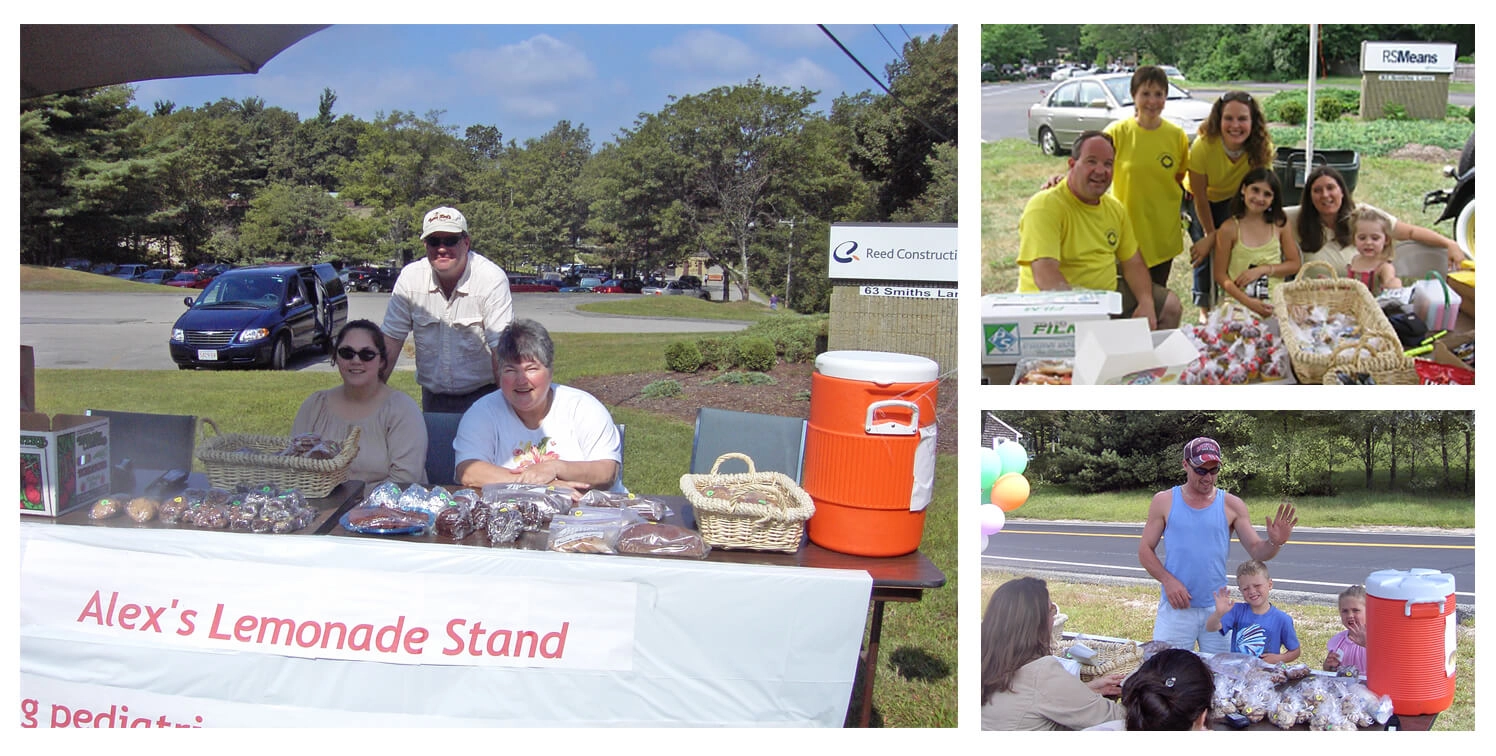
[657,538]
[553,498]
[241,518]
[171,510]
[386,494]
[368,518]
[142,509]
[210,517]
[589,530]
[454,522]
[503,523]
[108,507]
[213,496]
[311,446]
[649,508]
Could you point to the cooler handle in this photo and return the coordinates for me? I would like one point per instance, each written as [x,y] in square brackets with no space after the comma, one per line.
[891,427]
[1436,605]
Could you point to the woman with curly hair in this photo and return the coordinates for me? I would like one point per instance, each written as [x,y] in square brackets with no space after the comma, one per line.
[1232,141]
[1024,687]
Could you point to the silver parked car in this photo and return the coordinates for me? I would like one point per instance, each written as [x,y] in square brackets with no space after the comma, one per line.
[1094,102]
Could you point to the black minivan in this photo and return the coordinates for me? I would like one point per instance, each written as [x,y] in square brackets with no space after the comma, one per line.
[259,316]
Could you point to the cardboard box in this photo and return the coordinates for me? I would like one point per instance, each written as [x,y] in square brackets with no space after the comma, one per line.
[1463,284]
[1125,352]
[1041,324]
[64,462]
[1444,350]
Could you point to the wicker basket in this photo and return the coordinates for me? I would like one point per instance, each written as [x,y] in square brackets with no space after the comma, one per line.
[1340,295]
[1111,657]
[1385,369]
[228,465]
[773,522]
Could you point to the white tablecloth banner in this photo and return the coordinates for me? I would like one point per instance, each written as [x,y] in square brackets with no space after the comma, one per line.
[120,627]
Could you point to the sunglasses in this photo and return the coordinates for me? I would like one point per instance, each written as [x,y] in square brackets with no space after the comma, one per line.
[1206,470]
[1236,97]
[442,241]
[366,354]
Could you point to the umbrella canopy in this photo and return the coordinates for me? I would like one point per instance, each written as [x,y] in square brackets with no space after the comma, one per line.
[62,57]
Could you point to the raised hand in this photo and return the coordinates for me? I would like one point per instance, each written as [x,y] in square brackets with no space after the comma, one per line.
[1280,528]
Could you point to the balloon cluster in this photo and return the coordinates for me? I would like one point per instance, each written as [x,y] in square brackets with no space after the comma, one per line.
[1004,488]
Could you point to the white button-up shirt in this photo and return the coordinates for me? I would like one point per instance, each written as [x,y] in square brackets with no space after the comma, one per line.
[453,337]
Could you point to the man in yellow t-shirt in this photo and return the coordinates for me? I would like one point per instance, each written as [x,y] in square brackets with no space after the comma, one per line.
[1075,236]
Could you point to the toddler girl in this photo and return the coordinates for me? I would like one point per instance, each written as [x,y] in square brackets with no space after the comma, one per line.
[1255,249]
[1347,650]
[1372,264]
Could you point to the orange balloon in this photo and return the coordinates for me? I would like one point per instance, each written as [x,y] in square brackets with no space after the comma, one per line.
[1010,491]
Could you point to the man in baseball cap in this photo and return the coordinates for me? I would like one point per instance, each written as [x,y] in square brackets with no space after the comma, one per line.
[463,302]
[1195,522]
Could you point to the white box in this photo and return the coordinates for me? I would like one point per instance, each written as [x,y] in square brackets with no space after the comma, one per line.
[64,462]
[1039,324]
[1125,352]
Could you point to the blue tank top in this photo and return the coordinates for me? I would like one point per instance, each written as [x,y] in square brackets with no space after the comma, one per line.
[1195,546]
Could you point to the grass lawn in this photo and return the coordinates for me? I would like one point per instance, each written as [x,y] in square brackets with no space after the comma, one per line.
[1353,507]
[681,307]
[1014,169]
[1127,611]
[42,278]
[916,679]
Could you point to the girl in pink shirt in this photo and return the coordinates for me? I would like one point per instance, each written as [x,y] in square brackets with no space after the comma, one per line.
[1347,650]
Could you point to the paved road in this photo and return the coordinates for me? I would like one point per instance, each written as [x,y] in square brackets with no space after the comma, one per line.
[1005,105]
[129,331]
[1317,561]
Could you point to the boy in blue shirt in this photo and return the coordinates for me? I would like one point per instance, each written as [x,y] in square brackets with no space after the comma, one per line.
[1260,629]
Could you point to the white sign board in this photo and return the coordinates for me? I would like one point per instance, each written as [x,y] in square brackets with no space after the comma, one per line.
[213,629]
[1408,57]
[893,252]
[909,292]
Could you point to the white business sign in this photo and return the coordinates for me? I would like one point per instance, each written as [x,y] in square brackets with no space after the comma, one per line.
[909,292]
[123,627]
[1407,57]
[894,251]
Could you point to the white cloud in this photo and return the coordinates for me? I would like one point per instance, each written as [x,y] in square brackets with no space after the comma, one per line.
[535,78]
[707,50]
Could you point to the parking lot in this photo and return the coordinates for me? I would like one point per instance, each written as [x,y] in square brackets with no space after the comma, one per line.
[129,331]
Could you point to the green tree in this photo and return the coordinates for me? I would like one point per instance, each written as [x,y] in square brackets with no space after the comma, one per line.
[549,209]
[1012,43]
[286,222]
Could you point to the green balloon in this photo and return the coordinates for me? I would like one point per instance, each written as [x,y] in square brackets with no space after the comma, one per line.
[992,469]
[1014,457]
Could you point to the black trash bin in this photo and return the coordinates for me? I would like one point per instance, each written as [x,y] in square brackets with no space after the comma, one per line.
[1292,168]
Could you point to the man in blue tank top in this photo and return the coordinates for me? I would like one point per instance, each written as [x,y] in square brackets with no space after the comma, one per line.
[1195,522]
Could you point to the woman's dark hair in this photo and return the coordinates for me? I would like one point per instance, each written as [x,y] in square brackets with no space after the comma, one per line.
[1274,214]
[1258,144]
[524,339]
[1148,75]
[1016,630]
[1311,227]
[1168,692]
[374,333]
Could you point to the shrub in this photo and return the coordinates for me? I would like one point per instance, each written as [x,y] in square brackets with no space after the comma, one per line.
[756,353]
[803,395]
[1329,110]
[1292,113]
[1395,111]
[717,353]
[682,357]
[793,336]
[662,389]
[745,379]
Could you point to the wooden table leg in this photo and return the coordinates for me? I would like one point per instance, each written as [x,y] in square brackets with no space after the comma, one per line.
[870,665]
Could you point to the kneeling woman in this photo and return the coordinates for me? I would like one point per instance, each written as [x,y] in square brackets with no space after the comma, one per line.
[534,431]
[392,435]
[1024,687]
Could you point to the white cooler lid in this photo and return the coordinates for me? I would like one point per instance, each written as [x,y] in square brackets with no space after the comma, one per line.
[1417,584]
[877,367]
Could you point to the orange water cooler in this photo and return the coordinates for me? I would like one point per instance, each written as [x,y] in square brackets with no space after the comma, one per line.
[870,451]
[1410,639]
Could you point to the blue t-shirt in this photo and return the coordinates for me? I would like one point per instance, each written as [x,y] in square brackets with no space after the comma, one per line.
[1258,634]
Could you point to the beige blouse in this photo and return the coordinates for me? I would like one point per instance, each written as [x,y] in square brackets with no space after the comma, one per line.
[392,439]
[1047,697]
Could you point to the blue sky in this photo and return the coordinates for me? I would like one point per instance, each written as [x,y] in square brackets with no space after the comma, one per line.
[525,78]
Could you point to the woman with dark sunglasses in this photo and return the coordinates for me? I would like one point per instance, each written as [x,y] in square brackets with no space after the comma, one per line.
[392,436]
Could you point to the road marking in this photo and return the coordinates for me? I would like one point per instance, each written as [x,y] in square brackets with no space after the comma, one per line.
[1229,578]
[1296,543]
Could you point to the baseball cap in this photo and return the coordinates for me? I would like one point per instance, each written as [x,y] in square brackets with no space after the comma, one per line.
[1202,450]
[444,219]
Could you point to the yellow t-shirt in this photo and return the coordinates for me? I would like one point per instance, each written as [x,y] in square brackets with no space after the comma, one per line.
[1208,156]
[1088,240]
[1145,179]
